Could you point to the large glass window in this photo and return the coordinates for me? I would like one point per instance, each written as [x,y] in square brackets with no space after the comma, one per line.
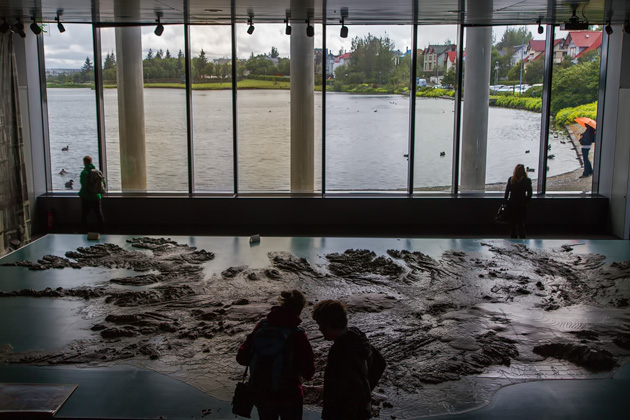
[514,77]
[212,108]
[164,116]
[71,102]
[574,94]
[367,109]
[435,107]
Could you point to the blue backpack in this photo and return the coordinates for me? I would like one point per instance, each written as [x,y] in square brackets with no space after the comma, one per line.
[271,365]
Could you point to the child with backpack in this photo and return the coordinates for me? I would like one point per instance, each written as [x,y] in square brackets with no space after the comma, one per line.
[91,193]
[353,368]
[278,354]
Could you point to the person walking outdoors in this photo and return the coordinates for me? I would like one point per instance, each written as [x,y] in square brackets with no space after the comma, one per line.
[586,142]
[91,193]
[518,192]
[278,353]
[353,367]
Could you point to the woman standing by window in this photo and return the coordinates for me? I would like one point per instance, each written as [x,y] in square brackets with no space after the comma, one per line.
[518,192]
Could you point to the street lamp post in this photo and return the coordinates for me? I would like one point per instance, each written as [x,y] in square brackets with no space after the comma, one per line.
[496,75]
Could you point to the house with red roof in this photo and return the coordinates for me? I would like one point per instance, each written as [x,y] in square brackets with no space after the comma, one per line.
[451,59]
[435,56]
[340,60]
[578,43]
[536,49]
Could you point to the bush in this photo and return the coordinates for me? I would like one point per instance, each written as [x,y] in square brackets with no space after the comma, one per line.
[568,115]
[518,102]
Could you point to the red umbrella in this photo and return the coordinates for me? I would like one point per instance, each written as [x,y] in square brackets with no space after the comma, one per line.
[584,121]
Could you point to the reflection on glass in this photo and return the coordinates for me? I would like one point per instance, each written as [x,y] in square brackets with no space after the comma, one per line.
[212,108]
[574,93]
[164,111]
[367,109]
[71,104]
[435,107]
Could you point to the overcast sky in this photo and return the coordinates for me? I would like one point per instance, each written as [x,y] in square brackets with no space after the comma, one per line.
[69,50]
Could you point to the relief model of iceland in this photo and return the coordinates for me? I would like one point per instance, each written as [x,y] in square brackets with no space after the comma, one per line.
[453,329]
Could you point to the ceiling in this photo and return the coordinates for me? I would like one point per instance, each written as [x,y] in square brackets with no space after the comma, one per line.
[471,12]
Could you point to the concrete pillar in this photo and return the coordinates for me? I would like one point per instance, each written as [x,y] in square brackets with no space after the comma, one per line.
[475,109]
[614,161]
[133,172]
[302,110]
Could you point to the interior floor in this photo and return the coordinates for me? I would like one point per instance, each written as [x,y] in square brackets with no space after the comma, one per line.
[47,337]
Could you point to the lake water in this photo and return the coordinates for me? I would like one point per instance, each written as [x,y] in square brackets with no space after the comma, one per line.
[366,140]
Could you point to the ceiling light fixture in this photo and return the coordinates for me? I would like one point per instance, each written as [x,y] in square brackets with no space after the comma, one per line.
[310,31]
[159,29]
[287,30]
[540,27]
[344,29]
[251,28]
[4,28]
[18,28]
[35,27]
[60,25]
[609,29]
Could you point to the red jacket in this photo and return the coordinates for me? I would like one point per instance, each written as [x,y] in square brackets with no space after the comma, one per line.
[302,352]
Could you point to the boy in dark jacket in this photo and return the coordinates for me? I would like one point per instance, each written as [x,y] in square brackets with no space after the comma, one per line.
[347,389]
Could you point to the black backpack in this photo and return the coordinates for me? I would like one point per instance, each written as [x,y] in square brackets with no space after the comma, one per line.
[271,365]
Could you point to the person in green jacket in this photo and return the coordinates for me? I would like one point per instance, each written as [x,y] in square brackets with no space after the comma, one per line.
[90,200]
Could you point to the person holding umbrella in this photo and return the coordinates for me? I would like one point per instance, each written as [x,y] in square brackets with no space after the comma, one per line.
[586,141]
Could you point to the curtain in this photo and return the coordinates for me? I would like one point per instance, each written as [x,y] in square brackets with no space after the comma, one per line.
[14,205]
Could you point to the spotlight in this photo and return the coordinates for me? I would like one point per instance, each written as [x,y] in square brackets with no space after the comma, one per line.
[60,25]
[18,28]
[310,31]
[251,28]
[540,27]
[344,29]
[609,29]
[287,30]
[35,27]
[4,28]
[159,29]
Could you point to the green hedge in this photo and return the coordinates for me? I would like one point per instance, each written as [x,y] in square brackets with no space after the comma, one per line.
[271,78]
[518,102]
[434,93]
[568,115]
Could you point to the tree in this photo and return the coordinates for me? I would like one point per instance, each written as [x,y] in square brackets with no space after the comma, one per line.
[534,71]
[274,52]
[150,54]
[110,61]
[449,77]
[373,58]
[168,54]
[87,65]
[514,36]
[575,85]
[200,64]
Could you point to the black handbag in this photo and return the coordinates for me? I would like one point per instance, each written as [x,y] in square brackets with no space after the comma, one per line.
[243,400]
[503,214]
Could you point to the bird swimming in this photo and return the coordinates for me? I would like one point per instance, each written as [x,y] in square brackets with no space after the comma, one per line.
[69,184]
[65,149]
